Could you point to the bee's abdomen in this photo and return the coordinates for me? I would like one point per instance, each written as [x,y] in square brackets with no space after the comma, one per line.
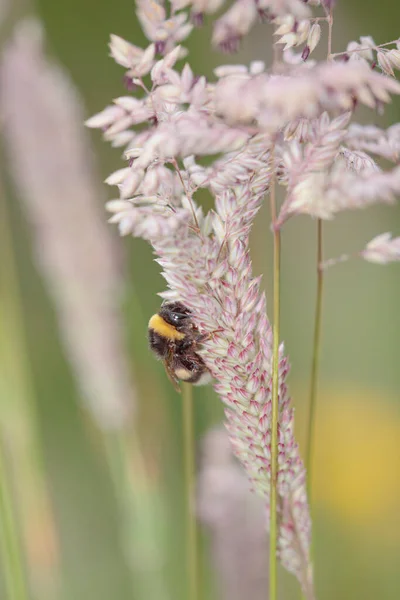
[158,344]
[184,374]
[190,368]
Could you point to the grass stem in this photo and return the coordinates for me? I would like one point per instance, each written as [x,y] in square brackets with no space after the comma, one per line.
[317,330]
[317,334]
[273,588]
[19,416]
[13,563]
[189,467]
[138,511]
[315,360]
[314,372]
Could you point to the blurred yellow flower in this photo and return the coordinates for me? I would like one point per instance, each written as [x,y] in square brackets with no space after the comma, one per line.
[357,459]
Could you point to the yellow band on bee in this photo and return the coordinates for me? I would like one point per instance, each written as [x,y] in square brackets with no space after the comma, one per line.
[164,329]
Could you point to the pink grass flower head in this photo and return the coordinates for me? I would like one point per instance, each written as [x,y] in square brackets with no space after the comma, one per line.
[289,124]
[209,270]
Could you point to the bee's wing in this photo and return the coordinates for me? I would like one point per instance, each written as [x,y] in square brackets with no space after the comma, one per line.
[171,375]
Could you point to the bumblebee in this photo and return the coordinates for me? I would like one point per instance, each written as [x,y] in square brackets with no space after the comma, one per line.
[175,339]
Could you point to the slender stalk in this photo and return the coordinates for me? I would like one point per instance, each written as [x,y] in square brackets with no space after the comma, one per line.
[330,27]
[317,329]
[314,372]
[275,398]
[317,324]
[315,359]
[363,48]
[14,572]
[189,467]
[187,193]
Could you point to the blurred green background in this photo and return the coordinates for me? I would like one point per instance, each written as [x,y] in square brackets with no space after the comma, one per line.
[74,545]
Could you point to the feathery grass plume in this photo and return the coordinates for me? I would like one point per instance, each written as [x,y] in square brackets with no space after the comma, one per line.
[164,31]
[236,520]
[373,139]
[382,249]
[207,266]
[51,162]
[210,272]
[290,122]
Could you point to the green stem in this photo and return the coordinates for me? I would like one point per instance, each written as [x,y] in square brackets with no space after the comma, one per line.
[317,327]
[19,410]
[115,445]
[315,360]
[189,466]
[275,406]
[314,371]
[317,335]
[14,571]
[138,510]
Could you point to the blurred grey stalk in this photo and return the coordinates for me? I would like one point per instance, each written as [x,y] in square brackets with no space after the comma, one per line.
[236,519]
[51,163]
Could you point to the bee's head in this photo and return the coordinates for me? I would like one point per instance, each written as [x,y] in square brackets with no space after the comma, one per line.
[175,313]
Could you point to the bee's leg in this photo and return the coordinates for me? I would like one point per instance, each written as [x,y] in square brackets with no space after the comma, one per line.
[204,337]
